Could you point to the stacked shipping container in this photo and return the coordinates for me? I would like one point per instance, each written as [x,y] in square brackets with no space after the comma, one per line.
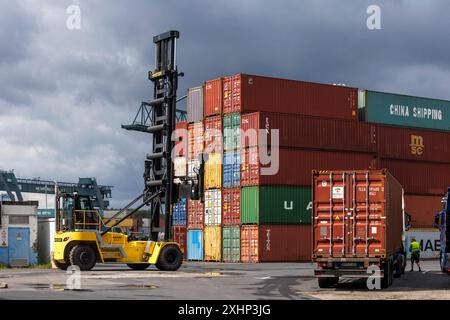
[318,129]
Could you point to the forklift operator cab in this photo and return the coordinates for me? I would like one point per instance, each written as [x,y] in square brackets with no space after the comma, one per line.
[83,240]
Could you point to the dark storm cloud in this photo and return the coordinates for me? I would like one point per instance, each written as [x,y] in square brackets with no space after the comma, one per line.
[73,89]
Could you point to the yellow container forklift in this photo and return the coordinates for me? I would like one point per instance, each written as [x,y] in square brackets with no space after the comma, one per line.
[83,238]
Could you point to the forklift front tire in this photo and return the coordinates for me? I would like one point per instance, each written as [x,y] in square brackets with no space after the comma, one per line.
[170,258]
[83,256]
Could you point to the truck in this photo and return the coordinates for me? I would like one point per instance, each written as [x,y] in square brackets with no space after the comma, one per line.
[441,221]
[358,226]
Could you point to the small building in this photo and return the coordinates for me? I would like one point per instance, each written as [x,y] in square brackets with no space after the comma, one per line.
[18,233]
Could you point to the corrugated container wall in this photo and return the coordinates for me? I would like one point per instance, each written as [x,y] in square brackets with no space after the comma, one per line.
[231,206]
[195,214]
[195,245]
[422,210]
[194,105]
[213,243]
[179,212]
[404,111]
[180,236]
[231,131]
[275,243]
[213,134]
[180,166]
[231,169]
[195,135]
[295,165]
[213,97]
[213,171]
[276,205]
[374,226]
[414,144]
[308,132]
[250,93]
[213,207]
[231,244]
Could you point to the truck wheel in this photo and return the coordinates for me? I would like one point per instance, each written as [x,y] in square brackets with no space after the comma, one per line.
[61,266]
[327,282]
[170,258]
[83,256]
[138,266]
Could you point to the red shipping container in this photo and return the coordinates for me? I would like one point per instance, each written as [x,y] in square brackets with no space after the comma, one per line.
[421,178]
[308,132]
[414,144]
[296,165]
[212,97]
[213,134]
[250,93]
[195,214]
[179,234]
[180,135]
[356,214]
[422,209]
[231,206]
[195,135]
[276,243]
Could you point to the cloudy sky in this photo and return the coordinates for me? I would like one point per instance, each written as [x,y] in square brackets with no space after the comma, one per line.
[64,93]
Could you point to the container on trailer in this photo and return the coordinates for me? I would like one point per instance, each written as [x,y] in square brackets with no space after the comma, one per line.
[213,97]
[428,239]
[422,209]
[193,167]
[275,243]
[181,139]
[231,244]
[195,245]
[231,169]
[360,210]
[213,207]
[196,213]
[179,235]
[413,144]
[276,205]
[180,166]
[405,111]
[231,206]
[293,166]
[213,134]
[194,106]
[213,171]
[195,136]
[179,212]
[249,93]
[231,131]
[421,178]
[213,243]
[297,131]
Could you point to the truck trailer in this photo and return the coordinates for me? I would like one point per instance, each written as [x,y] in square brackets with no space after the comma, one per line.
[358,226]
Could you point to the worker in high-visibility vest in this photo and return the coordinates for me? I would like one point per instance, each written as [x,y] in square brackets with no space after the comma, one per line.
[414,247]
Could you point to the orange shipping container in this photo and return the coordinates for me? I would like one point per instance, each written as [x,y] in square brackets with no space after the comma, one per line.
[195,135]
[195,214]
[213,97]
[422,209]
[213,134]
[275,243]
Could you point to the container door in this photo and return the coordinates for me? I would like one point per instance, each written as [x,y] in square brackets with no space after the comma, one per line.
[19,246]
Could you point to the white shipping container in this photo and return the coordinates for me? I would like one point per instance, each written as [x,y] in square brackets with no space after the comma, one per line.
[213,207]
[180,167]
[429,241]
[193,164]
[194,105]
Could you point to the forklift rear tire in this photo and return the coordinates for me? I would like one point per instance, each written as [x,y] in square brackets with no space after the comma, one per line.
[138,266]
[327,282]
[83,256]
[170,258]
[61,266]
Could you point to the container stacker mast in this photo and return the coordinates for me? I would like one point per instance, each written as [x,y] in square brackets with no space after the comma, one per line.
[84,239]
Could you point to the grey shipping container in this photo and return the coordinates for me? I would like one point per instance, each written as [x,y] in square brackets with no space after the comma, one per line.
[195,104]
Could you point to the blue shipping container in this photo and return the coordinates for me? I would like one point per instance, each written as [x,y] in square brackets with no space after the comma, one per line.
[179,213]
[195,245]
[231,169]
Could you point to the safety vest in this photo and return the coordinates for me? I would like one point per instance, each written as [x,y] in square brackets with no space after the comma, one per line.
[415,246]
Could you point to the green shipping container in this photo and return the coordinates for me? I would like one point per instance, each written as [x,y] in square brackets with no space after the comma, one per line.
[276,205]
[231,131]
[231,244]
[405,111]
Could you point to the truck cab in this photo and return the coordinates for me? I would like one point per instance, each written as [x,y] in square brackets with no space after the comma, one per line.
[442,222]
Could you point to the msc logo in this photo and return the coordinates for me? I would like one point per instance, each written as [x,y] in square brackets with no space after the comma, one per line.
[417,145]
